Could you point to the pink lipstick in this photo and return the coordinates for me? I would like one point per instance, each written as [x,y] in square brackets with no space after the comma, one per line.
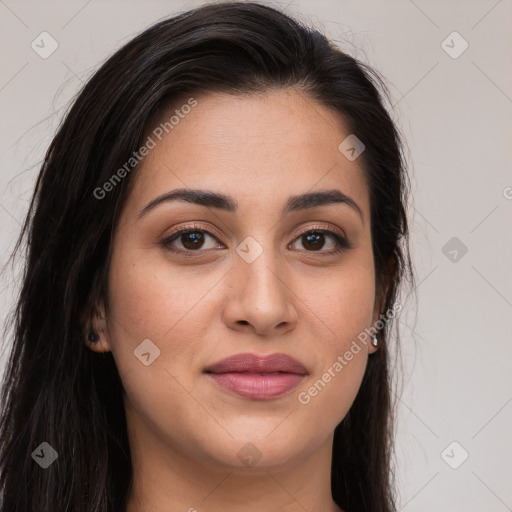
[257,377]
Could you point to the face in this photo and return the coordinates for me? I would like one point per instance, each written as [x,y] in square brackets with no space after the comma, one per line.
[258,274]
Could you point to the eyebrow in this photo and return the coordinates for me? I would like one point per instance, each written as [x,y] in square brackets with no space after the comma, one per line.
[227,203]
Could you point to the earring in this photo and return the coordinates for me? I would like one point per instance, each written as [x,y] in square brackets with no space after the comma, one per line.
[93,337]
[375,341]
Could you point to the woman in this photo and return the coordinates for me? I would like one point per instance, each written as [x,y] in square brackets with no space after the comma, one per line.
[215,248]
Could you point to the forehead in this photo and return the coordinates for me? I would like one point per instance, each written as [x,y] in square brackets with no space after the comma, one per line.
[255,147]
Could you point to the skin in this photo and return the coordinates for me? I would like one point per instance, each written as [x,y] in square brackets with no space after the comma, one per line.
[185,431]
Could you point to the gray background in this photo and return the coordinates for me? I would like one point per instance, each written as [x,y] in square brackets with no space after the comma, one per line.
[455,114]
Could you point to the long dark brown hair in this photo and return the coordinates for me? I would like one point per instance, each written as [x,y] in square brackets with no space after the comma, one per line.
[55,389]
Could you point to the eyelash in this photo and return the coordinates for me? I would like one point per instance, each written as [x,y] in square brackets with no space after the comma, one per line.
[341,242]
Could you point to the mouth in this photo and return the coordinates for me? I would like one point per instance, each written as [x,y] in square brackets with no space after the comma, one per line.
[257,377]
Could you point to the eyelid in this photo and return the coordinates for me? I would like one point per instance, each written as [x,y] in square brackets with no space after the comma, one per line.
[195,226]
[327,227]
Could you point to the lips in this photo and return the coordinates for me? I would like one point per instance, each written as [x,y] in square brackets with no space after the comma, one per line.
[253,363]
[257,377]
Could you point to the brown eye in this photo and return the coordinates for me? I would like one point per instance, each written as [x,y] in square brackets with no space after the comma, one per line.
[317,239]
[190,239]
[314,240]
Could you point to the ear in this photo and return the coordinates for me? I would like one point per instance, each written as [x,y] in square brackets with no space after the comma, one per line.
[380,302]
[375,317]
[377,311]
[97,336]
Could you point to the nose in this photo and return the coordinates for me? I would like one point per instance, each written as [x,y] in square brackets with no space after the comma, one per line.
[260,298]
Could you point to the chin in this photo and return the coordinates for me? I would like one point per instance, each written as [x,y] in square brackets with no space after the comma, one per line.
[259,452]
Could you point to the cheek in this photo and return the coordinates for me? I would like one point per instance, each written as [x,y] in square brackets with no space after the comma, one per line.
[150,300]
[340,309]
[327,398]
[341,305]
